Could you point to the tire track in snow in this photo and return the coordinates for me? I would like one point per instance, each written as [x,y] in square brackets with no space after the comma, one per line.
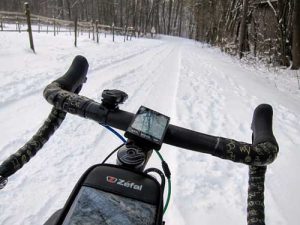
[202,99]
[37,82]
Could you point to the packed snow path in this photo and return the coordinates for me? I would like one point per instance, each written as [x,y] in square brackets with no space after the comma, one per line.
[197,86]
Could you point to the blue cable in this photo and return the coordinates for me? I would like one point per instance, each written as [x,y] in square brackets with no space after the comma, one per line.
[115,133]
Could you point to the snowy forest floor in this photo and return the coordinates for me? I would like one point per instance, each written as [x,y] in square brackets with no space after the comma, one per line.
[197,86]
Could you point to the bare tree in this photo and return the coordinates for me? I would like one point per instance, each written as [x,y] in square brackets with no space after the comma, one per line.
[242,34]
[296,35]
[180,18]
[170,16]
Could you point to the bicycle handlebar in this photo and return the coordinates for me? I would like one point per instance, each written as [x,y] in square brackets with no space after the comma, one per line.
[262,153]
[63,95]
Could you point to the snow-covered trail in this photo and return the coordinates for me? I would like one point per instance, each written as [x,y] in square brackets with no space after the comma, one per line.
[197,86]
[219,99]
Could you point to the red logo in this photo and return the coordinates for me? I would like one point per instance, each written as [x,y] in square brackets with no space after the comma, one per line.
[111,179]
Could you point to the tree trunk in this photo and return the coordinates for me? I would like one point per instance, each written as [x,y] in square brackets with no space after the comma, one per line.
[126,12]
[60,5]
[134,6]
[198,22]
[156,23]
[141,22]
[296,35]
[281,17]
[176,14]
[112,13]
[242,34]
[69,9]
[191,26]
[121,13]
[145,19]
[170,14]
[180,18]
[98,12]
[163,16]
[213,24]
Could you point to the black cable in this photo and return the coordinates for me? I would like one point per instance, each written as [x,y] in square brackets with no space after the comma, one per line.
[107,157]
[162,176]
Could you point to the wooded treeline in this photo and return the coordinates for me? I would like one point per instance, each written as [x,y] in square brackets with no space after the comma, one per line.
[266,29]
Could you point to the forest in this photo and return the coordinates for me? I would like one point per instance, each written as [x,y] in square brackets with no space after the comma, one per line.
[268,30]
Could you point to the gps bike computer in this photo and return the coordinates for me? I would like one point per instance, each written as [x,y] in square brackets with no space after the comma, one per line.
[148,128]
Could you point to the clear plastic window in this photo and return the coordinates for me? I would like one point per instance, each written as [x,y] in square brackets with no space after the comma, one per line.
[93,206]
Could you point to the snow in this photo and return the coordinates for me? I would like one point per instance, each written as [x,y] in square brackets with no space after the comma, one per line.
[197,86]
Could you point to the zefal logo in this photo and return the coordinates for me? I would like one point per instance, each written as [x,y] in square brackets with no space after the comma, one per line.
[111,180]
[121,182]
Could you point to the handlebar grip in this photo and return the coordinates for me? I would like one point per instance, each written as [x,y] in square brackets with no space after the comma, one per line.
[264,149]
[25,153]
[72,81]
[262,125]
[75,76]
[255,207]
